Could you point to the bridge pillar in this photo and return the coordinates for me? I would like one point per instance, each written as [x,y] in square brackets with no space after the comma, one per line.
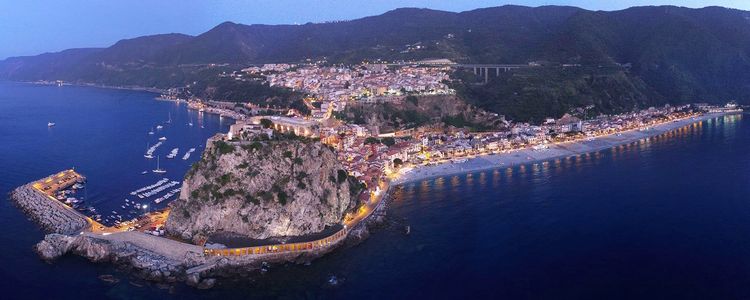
[486,74]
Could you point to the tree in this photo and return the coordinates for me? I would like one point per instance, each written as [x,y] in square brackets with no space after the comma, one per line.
[371,140]
[413,100]
[397,162]
[266,123]
[388,141]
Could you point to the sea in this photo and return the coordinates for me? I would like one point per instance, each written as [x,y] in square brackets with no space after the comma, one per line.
[664,217]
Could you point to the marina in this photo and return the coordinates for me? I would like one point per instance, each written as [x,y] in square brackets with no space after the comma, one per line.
[146,188]
[157,190]
[91,125]
[168,195]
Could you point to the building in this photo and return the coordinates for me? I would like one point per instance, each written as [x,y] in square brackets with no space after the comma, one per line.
[298,126]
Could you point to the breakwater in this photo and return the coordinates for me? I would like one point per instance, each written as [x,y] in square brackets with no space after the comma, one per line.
[52,215]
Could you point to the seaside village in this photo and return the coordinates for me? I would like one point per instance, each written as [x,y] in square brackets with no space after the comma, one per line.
[372,156]
[375,158]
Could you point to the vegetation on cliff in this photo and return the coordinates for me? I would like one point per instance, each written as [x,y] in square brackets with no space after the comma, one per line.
[262,189]
[415,111]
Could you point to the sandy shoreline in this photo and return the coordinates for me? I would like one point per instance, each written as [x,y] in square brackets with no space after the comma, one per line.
[525,156]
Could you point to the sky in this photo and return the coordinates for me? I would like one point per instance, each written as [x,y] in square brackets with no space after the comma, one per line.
[38,26]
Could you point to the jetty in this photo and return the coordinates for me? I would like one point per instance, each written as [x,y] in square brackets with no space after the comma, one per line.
[37,200]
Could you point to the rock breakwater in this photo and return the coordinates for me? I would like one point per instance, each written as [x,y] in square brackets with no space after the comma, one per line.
[50,214]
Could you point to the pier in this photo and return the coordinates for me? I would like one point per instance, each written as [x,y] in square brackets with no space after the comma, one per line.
[37,200]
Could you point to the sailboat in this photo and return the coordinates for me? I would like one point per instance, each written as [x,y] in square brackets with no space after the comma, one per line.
[191,121]
[151,132]
[169,121]
[158,169]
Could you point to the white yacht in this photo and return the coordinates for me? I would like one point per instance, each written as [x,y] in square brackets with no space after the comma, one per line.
[50,124]
[163,138]
[149,152]
[173,153]
[187,154]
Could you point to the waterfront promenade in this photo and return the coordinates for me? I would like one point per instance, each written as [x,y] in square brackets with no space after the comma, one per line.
[554,151]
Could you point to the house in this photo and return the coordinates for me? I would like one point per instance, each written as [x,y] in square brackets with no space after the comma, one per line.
[569,123]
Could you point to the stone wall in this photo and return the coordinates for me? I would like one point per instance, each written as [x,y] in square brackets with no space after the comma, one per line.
[52,215]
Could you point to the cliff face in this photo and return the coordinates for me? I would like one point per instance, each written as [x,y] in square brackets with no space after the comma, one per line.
[262,189]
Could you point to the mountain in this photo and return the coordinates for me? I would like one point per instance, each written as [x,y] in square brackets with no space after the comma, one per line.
[665,53]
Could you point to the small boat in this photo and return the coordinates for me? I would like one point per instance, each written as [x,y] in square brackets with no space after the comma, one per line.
[187,154]
[173,153]
[163,138]
[159,127]
[151,132]
[148,152]
[158,169]
[50,124]
[146,172]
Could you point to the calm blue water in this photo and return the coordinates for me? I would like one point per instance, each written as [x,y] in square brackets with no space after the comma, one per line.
[666,218]
[103,134]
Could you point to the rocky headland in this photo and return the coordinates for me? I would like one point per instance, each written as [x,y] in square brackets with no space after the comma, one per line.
[262,189]
[259,189]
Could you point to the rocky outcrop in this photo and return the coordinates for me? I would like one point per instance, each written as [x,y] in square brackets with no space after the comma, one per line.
[262,189]
[52,215]
[141,261]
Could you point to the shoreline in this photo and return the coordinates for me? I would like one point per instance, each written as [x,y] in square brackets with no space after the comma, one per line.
[157,91]
[111,87]
[530,156]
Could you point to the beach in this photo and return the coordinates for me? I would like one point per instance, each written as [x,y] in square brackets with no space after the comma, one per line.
[529,155]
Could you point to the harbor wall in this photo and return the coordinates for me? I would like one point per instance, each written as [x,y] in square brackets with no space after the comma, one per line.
[50,214]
